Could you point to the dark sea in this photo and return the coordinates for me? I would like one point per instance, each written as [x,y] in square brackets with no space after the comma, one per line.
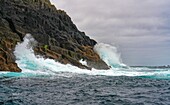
[79,89]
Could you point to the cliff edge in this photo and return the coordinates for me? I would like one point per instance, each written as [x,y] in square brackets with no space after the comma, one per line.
[57,36]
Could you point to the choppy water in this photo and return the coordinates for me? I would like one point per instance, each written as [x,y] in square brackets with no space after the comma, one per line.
[47,82]
[76,89]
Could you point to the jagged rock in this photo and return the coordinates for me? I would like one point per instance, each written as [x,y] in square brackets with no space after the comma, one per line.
[7,62]
[48,26]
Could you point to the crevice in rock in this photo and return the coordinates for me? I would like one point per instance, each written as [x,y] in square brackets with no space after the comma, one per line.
[1,13]
[12,27]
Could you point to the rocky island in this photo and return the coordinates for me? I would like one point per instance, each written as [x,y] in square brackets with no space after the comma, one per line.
[57,36]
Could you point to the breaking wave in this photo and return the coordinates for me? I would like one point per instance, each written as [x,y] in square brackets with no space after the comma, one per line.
[33,65]
[109,55]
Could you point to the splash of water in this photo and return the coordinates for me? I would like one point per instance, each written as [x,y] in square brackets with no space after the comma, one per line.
[109,54]
[83,62]
[33,65]
[37,65]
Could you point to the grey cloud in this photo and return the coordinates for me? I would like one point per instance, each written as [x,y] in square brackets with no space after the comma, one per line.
[130,24]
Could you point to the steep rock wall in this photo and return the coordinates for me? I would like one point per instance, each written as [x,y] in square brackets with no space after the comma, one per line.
[50,27]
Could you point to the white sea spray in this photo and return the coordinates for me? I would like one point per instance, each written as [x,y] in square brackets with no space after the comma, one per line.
[33,65]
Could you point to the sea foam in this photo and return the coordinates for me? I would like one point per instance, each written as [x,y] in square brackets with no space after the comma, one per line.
[109,54]
[33,65]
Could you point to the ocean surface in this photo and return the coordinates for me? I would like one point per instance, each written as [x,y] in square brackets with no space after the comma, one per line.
[78,89]
[47,82]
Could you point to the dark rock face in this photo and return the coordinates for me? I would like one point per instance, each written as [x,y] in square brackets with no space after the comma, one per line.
[8,41]
[50,27]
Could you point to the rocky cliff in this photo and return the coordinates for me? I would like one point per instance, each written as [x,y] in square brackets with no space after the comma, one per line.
[58,38]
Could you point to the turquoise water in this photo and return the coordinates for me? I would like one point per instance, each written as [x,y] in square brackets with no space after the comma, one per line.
[33,65]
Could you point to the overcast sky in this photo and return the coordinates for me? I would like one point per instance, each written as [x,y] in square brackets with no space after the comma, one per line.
[139,28]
